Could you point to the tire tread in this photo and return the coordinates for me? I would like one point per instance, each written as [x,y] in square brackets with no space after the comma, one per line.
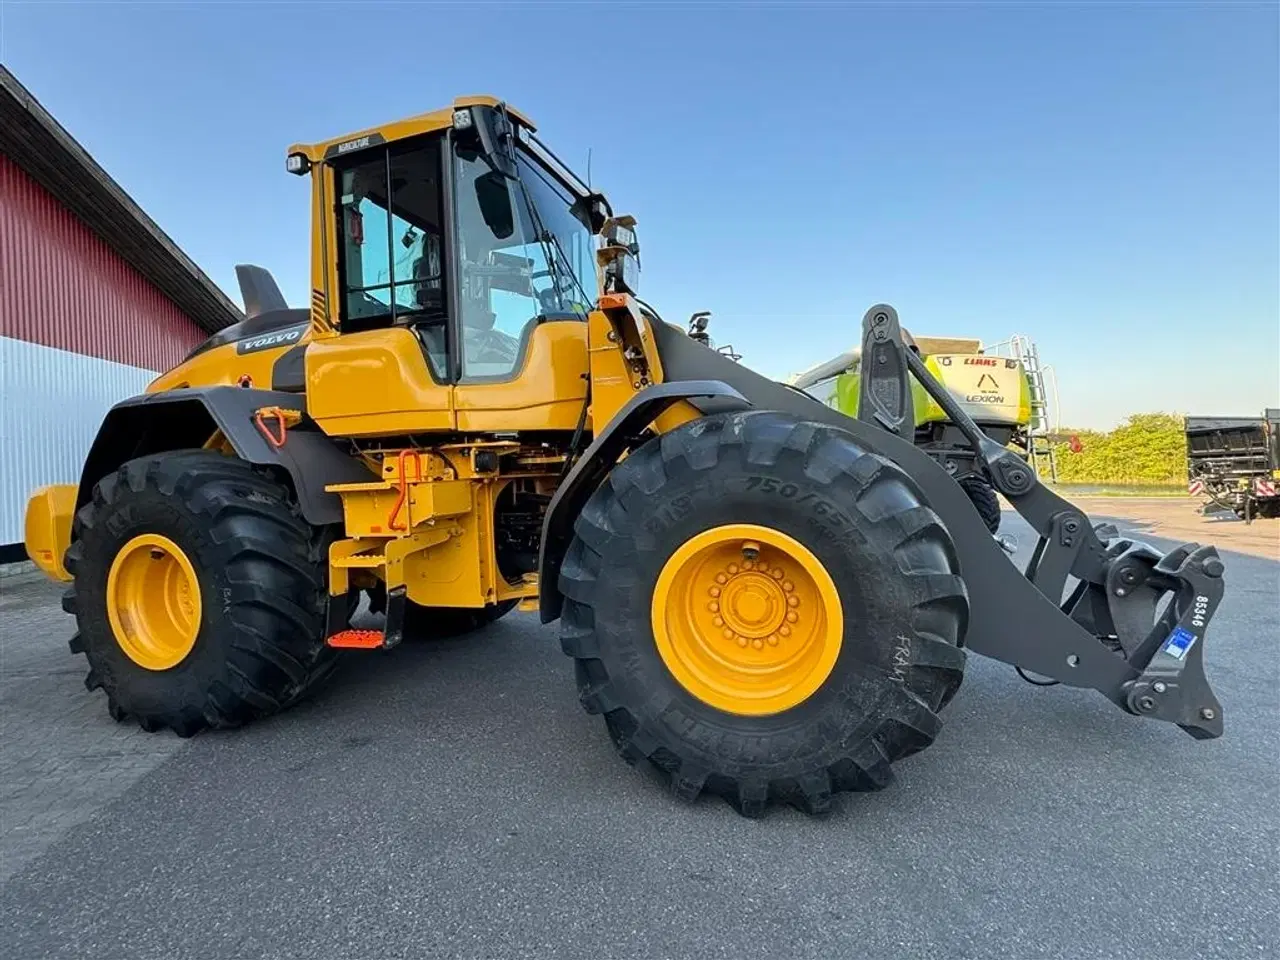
[906,725]
[271,555]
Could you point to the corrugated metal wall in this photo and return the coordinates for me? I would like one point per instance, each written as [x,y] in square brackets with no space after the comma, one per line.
[53,402]
[79,330]
[61,286]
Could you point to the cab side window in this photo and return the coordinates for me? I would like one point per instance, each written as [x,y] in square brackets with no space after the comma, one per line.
[391,250]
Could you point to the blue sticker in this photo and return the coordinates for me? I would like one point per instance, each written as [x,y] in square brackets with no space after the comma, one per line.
[1179,642]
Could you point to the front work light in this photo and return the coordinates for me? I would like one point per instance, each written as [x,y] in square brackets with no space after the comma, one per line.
[297,163]
[619,255]
[621,232]
[462,118]
[624,274]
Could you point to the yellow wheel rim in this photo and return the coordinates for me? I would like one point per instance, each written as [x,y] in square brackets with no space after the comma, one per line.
[153,602]
[747,619]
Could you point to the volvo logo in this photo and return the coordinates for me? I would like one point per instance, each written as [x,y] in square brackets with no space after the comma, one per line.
[276,338]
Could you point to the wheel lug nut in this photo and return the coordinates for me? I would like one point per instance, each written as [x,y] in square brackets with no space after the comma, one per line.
[776,573]
[721,578]
[742,641]
[713,607]
[784,630]
[733,568]
[718,621]
[788,586]
[714,591]
[773,639]
[792,616]
[793,601]
[758,644]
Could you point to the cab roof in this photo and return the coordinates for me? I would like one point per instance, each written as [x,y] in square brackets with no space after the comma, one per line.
[400,129]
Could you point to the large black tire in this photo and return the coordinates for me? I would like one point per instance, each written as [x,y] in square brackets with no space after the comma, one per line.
[894,567]
[1267,509]
[983,497]
[261,570]
[444,623]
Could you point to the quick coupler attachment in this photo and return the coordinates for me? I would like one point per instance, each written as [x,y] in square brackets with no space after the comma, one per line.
[1171,684]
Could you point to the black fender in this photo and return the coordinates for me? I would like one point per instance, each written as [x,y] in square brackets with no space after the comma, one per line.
[188,417]
[622,433]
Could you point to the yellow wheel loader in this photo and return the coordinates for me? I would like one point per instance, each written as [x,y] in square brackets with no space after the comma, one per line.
[769,600]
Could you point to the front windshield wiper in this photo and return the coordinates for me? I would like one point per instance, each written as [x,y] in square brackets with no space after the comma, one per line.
[568,264]
[552,251]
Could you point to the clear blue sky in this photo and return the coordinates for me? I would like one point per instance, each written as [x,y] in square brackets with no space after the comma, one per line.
[1104,177]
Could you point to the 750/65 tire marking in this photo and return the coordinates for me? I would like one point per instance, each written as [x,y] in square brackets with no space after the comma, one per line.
[822,507]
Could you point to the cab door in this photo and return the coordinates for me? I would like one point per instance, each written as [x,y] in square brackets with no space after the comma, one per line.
[387,369]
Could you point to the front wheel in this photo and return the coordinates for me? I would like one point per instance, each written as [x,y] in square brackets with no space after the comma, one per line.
[764,610]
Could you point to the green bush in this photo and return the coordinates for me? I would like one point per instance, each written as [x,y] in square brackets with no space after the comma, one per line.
[1148,448]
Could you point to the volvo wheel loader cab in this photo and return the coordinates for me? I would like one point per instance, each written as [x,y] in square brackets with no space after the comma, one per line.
[768,599]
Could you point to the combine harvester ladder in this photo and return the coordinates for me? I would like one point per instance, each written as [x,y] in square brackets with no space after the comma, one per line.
[1039,430]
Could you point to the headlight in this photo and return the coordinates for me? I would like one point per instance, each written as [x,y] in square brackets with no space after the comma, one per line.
[622,236]
[621,232]
[620,255]
[622,273]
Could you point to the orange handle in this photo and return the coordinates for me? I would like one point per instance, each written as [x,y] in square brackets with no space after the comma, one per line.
[404,488]
[260,419]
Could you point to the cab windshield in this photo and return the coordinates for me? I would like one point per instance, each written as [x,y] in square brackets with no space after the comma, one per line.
[525,252]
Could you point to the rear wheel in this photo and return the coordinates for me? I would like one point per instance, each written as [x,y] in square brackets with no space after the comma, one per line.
[199,592]
[764,610]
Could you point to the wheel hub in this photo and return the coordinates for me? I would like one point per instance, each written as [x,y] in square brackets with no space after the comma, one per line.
[747,619]
[754,604]
[153,602]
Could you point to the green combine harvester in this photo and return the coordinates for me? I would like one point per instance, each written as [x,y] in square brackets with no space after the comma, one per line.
[995,391]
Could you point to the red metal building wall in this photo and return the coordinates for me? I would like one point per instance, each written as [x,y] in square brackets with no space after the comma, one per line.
[80,330]
[63,287]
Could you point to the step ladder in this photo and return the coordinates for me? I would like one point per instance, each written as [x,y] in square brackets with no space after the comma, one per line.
[1039,430]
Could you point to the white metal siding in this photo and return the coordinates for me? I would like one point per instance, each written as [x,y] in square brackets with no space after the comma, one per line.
[51,405]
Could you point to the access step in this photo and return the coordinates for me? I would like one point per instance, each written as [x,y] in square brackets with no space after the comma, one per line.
[357,640]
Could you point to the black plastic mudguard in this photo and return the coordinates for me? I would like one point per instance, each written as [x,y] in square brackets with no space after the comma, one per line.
[186,418]
[621,433]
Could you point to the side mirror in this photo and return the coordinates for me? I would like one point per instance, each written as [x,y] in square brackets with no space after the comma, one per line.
[494,134]
[698,327]
[494,198]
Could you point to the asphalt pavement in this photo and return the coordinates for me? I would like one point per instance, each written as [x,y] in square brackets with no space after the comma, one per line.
[452,799]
